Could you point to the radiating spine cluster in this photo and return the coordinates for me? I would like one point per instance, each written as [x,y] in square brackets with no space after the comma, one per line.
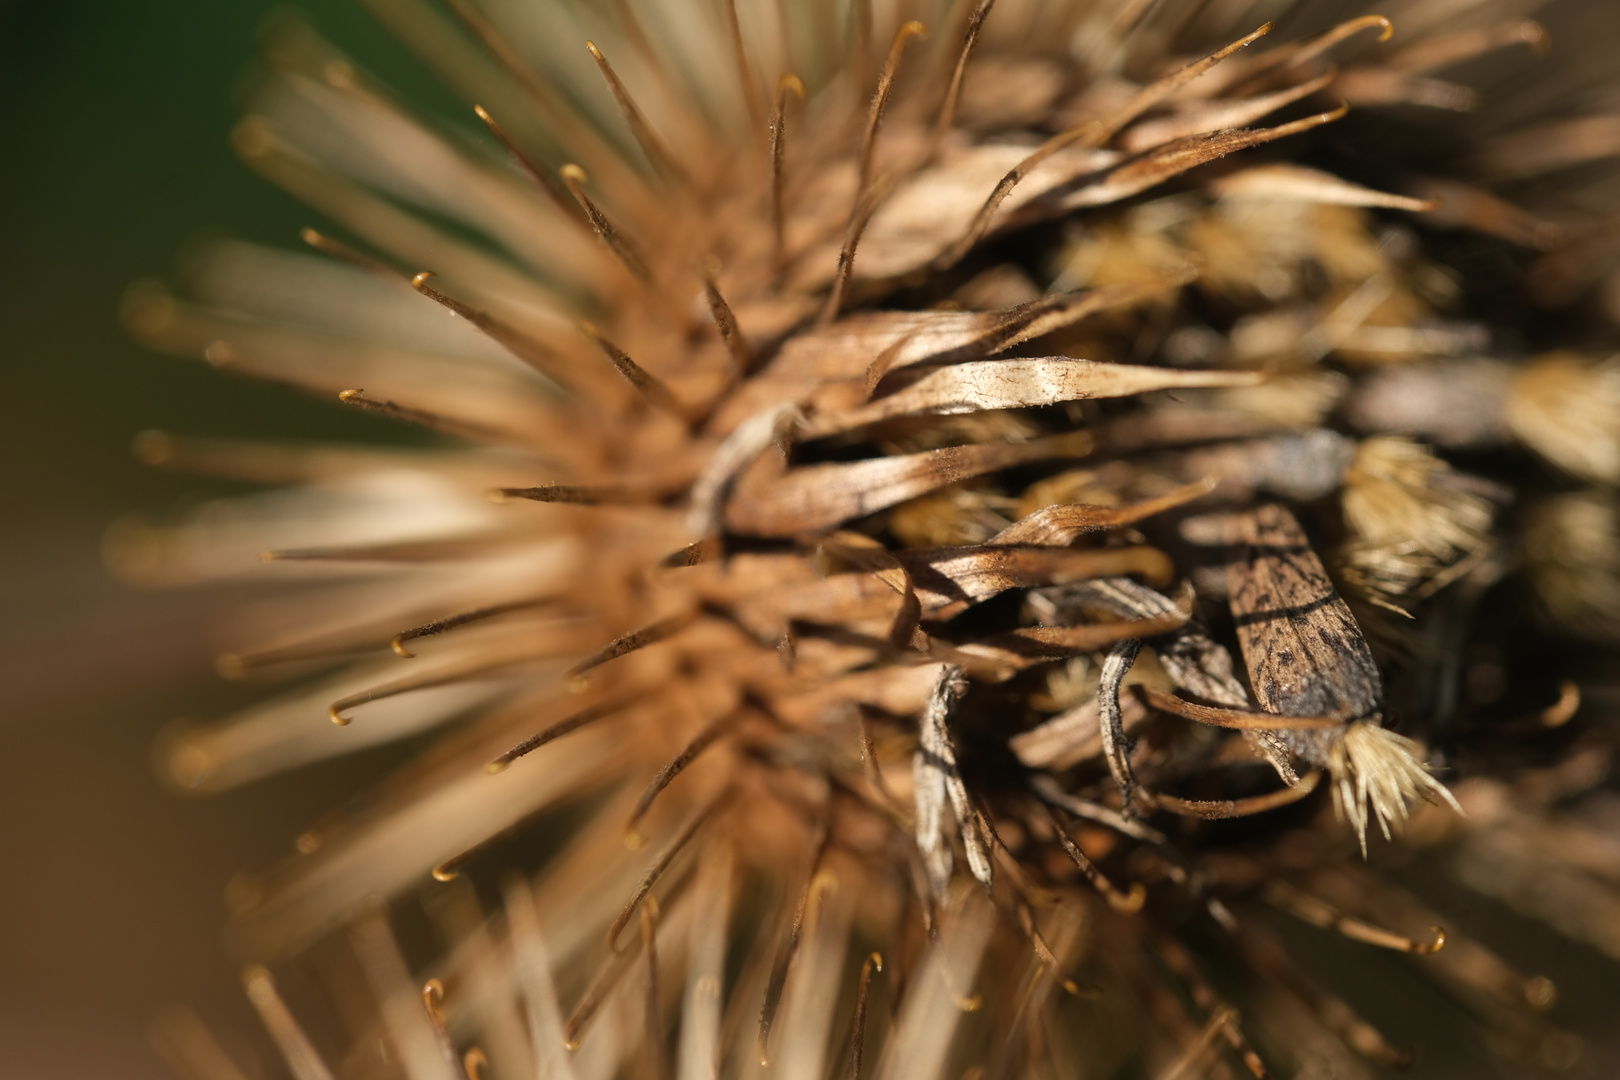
[865,431]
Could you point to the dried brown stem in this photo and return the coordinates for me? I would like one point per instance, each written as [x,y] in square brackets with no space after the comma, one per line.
[861,210]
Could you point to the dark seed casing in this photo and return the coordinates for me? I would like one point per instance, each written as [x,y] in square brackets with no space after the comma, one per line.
[1305,654]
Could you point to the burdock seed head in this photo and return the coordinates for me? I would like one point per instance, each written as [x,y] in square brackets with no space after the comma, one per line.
[865,433]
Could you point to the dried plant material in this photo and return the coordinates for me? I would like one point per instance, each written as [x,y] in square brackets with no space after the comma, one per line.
[1448,49]
[1237,719]
[780,596]
[1299,184]
[1303,466]
[952,576]
[1567,408]
[739,450]
[1305,654]
[950,517]
[289,731]
[1073,736]
[1176,157]
[1414,525]
[1193,661]
[1450,403]
[935,779]
[1313,909]
[1571,544]
[300,1054]
[1111,718]
[1461,205]
[1225,809]
[1058,525]
[906,233]
[768,502]
[1059,641]
[1061,148]
[1299,400]
[1216,115]
[1382,86]
[1016,384]
[1550,147]
[1377,775]
[938,341]
[1307,658]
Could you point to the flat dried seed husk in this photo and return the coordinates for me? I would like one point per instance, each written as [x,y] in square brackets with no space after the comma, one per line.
[865,346]
[1135,175]
[1060,525]
[947,579]
[925,219]
[1300,184]
[992,332]
[1021,383]
[771,502]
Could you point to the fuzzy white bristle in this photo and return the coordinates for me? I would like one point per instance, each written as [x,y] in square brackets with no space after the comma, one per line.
[1377,774]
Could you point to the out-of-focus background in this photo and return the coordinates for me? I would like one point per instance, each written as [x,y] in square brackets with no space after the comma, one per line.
[114,119]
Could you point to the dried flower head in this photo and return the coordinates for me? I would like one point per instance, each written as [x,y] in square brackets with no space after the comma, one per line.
[867,429]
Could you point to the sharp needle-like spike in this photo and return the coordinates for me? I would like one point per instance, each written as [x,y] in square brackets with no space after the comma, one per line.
[1200,1047]
[1179,960]
[574,178]
[560,117]
[649,386]
[1235,719]
[439,626]
[579,494]
[953,92]
[675,766]
[607,977]
[857,1035]
[785,950]
[1091,133]
[1124,903]
[465,671]
[1319,912]
[657,1058]
[339,250]
[1221,809]
[524,346]
[651,145]
[726,323]
[1345,30]
[422,417]
[647,635]
[557,731]
[541,176]
[656,870]
[300,1054]
[745,70]
[864,203]
[784,85]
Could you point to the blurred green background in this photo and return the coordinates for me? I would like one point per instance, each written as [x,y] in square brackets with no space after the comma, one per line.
[113,156]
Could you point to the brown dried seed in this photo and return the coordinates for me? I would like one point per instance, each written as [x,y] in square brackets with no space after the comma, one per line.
[1306,655]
